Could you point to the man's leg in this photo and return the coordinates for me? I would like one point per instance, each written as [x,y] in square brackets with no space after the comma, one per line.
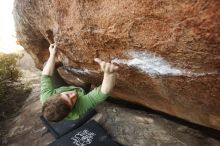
[58,81]
[86,87]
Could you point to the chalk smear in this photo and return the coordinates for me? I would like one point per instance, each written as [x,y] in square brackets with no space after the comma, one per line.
[78,71]
[153,64]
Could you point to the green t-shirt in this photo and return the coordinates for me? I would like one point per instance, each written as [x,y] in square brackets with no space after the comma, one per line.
[84,101]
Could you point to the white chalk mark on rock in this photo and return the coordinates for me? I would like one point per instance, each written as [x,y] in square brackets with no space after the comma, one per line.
[78,71]
[154,64]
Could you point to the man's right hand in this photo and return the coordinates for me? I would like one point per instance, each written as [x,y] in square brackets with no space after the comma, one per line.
[52,49]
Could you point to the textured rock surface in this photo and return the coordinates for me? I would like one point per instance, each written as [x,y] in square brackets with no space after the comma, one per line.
[169,51]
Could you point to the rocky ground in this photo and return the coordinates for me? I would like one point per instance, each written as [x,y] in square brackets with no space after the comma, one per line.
[128,126]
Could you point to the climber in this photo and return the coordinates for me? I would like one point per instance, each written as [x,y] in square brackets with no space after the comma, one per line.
[71,102]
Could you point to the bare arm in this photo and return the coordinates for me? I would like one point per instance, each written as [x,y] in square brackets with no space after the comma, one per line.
[109,70]
[49,67]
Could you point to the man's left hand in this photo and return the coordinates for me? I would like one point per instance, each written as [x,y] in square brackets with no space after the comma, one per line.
[106,67]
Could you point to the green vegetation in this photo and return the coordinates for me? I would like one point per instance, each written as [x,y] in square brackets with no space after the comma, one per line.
[12,91]
[9,74]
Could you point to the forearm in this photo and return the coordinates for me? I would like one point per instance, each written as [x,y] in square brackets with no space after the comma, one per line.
[49,67]
[108,83]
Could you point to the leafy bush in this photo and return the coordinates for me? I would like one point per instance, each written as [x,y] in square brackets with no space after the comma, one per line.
[9,74]
[10,84]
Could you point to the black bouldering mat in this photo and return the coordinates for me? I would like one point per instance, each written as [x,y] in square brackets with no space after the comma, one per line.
[60,128]
[89,134]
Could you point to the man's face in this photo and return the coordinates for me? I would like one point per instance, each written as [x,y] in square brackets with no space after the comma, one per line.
[69,97]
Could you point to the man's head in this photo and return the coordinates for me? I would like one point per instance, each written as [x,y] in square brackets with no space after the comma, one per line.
[58,106]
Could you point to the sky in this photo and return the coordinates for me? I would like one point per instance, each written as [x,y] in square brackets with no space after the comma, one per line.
[7,29]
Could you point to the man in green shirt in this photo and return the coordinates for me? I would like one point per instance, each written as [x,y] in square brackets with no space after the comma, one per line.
[71,102]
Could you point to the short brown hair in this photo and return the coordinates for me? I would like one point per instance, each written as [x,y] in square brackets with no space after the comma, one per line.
[55,109]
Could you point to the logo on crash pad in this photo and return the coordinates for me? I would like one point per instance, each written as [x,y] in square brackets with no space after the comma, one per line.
[83,138]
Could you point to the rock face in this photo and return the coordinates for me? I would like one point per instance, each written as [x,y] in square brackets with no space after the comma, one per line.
[168,51]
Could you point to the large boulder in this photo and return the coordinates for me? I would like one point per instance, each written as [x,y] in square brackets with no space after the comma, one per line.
[168,51]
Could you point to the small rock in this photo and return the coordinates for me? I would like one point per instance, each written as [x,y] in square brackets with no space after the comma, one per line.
[97,117]
[182,128]
[148,120]
[114,110]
